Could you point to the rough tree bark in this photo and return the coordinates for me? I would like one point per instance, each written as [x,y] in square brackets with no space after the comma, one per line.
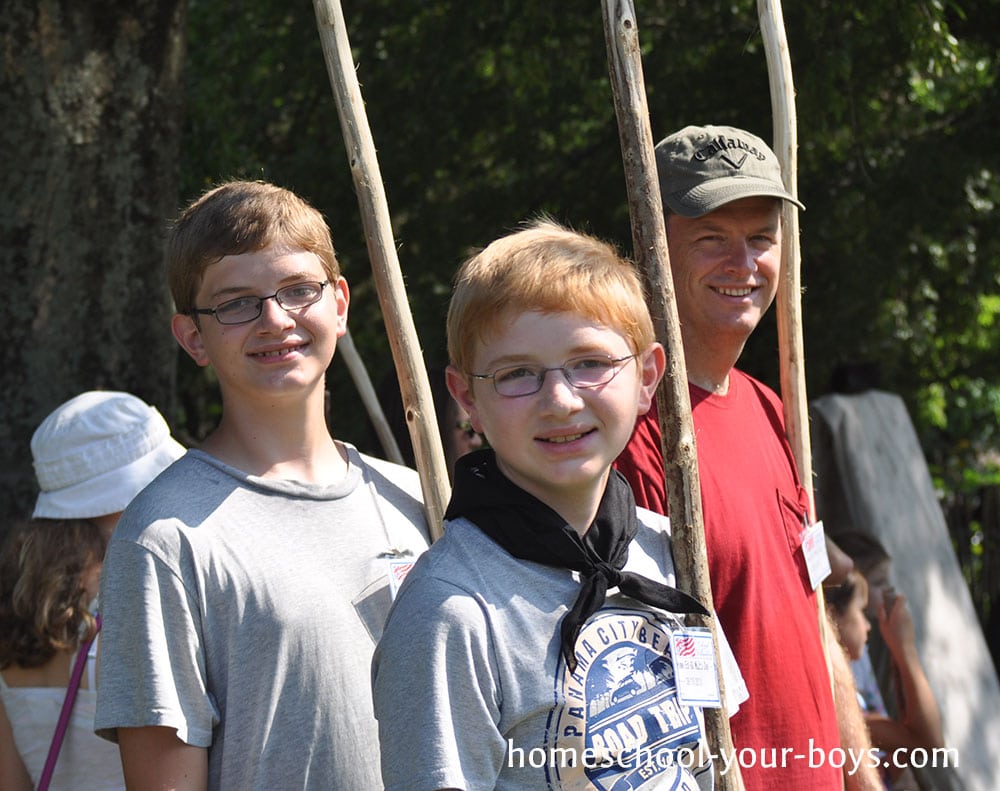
[90,97]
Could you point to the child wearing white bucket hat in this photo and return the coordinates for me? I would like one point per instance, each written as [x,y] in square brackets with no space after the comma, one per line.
[92,456]
[96,452]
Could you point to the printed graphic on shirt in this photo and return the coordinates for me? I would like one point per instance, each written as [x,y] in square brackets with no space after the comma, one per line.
[617,723]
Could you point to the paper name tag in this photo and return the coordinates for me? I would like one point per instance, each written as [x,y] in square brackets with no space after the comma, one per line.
[817,559]
[695,671]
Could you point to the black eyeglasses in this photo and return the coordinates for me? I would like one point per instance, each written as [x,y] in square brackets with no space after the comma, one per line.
[244,309]
[592,370]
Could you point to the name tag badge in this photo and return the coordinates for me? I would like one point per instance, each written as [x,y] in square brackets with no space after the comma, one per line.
[695,672]
[817,559]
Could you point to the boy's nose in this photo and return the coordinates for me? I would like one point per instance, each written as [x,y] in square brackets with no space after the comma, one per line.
[557,391]
[273,315]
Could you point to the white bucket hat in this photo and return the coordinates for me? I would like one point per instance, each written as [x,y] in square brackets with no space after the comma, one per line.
[96,452]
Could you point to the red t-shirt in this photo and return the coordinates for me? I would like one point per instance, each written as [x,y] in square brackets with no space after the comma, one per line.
[754,512]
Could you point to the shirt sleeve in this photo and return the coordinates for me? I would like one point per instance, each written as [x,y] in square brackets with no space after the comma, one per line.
[436,695]
[732,677]
[152,665]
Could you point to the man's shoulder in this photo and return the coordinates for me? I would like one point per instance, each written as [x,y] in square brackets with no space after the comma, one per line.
[760,402]
[754,385]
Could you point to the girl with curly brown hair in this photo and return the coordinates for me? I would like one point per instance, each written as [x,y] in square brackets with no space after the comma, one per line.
[92,455]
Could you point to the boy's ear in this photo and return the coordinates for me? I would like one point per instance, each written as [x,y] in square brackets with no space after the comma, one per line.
[461,390]
[188,335]
[342,295]
[652,363]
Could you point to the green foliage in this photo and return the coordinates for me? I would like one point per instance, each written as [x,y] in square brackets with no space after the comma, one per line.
[485,114]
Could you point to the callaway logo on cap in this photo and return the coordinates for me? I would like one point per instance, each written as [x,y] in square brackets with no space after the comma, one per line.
[704,167]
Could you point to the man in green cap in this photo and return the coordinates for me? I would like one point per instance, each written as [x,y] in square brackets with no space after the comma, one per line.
[723,196]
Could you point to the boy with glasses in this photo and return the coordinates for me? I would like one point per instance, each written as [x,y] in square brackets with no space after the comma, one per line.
[530,645]
[244,589]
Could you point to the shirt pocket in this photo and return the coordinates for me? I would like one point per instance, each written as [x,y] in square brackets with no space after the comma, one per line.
[793,520]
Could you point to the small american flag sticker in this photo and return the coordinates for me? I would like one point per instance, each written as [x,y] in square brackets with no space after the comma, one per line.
[398,569]
[685,645]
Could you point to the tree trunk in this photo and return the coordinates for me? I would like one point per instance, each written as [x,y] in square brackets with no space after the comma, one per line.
[90,101]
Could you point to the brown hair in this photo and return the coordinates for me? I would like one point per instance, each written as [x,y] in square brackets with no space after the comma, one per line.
[43,605]
[241,217]
[863,548]
[838,597]
[550,269]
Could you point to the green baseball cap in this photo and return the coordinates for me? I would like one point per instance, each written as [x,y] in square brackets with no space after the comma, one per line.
[704,167]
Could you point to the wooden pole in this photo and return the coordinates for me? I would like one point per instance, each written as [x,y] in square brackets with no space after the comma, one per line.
[348,352]
[680,459]
[410,368]
[789,300]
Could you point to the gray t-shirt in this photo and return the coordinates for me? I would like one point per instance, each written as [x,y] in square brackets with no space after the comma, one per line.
[471,690]
[243,612]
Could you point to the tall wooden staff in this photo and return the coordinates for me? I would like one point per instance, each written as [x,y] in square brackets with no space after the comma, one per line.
[348,352]
[413,382]
[789,301]
[680,459]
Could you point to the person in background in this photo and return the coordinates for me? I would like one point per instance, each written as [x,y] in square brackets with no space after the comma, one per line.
[458,436]
[92,455]
[847,603]
[244,590]
[723,195]
[871,561]
[867,595]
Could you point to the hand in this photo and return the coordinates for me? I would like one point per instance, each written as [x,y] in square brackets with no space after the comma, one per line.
[895,622]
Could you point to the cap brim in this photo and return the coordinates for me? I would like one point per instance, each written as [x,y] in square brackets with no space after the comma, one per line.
[713,194]
[111,491]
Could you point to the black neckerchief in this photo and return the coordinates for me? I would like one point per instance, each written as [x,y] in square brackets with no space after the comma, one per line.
[530,530]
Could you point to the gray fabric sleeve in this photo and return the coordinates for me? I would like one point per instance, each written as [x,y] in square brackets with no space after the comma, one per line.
[435,691]
[152,667]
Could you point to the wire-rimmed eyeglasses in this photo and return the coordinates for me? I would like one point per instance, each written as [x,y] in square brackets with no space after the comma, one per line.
[245,309]
[592,370]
